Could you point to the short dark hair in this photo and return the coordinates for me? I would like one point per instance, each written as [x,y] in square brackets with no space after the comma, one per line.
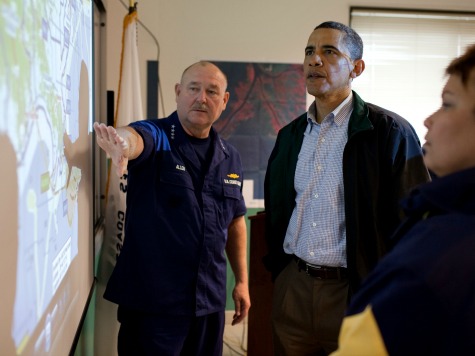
[352,40]
[463,65]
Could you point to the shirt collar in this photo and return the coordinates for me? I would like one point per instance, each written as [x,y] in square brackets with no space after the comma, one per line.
[339,115]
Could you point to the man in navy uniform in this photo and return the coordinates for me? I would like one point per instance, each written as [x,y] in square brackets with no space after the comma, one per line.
[185,213]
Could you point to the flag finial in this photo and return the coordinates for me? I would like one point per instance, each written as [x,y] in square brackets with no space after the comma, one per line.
[132,6]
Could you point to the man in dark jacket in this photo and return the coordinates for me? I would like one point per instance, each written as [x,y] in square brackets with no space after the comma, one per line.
[333,184]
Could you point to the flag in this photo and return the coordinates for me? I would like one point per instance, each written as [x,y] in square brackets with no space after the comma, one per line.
[129,108]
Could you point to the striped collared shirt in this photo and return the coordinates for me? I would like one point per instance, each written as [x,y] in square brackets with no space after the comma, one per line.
[317,230]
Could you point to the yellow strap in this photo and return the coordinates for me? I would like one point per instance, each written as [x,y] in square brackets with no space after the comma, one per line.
[360,335]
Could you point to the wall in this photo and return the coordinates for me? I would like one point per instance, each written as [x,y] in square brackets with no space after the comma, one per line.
[245,30]
[223,30]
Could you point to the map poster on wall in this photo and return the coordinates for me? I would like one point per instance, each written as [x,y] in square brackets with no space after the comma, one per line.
[264,97]
[45,137]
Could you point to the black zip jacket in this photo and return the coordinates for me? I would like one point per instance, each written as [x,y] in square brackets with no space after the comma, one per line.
[382,162]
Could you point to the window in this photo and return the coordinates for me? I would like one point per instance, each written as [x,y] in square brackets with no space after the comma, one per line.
[406,53]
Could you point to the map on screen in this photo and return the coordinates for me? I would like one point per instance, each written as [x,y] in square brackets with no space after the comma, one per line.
[46,59]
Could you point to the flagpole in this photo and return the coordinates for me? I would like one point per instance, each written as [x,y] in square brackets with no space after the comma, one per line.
[129,109]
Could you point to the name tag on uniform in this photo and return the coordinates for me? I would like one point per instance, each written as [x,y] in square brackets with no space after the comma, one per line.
[233,179]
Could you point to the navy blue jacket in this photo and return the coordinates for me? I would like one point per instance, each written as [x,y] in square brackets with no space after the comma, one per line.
[422,294]
[173,259]
[382,162]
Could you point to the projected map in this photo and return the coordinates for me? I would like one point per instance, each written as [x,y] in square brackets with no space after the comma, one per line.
[46,50]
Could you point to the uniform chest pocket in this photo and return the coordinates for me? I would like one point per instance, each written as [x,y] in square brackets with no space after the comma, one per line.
[230,196]
[179,179]
[232,192]
[176,190]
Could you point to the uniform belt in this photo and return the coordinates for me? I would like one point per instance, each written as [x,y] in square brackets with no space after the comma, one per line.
[321,272]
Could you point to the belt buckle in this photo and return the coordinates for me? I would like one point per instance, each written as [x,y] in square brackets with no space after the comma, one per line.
[314,267]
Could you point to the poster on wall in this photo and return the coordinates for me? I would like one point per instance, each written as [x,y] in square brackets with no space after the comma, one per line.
[264,97]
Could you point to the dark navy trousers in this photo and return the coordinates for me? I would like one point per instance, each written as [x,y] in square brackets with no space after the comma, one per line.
[164,335]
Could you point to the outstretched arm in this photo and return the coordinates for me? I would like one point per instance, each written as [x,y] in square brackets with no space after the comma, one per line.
[236,250]
[120,144]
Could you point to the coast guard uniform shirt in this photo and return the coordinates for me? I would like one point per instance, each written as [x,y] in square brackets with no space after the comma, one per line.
[173,259]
